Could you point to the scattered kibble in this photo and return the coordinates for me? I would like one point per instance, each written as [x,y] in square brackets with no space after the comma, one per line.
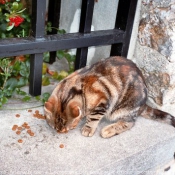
[36,112]
[61,146]
[25,126]
[30,132]
[14,127]
[17,115]
[19,128]
[38,115]
[20,140]
[18,132]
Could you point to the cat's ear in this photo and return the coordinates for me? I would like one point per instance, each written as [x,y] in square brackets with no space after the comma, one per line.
[48,106]
[75,110]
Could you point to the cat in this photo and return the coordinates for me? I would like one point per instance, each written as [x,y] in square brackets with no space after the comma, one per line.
[113,88]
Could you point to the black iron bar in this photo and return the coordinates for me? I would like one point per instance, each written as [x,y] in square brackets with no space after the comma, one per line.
[54,17]
[129,27]
[87,9]
[124,21]
[38,31]
[18,46]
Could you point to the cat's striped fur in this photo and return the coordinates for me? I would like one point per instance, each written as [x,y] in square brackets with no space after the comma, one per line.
[113,88]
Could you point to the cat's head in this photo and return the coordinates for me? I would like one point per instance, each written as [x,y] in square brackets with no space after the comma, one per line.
[62,119]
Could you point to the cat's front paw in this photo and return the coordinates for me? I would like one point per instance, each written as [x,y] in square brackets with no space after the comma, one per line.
[87,131]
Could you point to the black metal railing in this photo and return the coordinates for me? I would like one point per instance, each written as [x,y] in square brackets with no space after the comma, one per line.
[38,42]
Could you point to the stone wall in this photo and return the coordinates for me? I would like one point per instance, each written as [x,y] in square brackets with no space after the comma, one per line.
[155,51]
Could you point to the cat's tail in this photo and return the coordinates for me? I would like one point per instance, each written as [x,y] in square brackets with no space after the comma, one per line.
[158,115]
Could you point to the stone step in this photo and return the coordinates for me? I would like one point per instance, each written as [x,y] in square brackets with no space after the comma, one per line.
[139,151]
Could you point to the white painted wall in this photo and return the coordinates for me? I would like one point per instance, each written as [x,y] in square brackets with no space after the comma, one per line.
[103,18]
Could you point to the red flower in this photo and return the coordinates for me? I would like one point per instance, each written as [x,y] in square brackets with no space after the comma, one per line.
[16,20]
[4,1]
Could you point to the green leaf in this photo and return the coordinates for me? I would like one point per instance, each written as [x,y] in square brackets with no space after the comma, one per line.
[4,100]
[27,63]
[7,92]
[55,75]
[10,27]
[24,69]
[20,92]
[62,31]
[3,27]
[68,57]
[46,56]
[1,94]
[11,83]
[60,54]
[26,98]
[7,14]
[20,5]
[46,96]
[15,6]
[45,81]
[16,68]
[22,82]
[24,73]
[21,10]
[63,74]
[3,35]
[44,69]
[38,98]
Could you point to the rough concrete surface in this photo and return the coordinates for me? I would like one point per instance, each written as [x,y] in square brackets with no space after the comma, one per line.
[141,150]
[147,145]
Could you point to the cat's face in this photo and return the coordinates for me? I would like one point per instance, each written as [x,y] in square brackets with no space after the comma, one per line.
[62,120]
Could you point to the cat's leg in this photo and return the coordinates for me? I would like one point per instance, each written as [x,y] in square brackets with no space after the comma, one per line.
[90,127]
[116,128]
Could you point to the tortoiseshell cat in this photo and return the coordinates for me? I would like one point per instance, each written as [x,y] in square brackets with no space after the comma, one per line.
[113,88]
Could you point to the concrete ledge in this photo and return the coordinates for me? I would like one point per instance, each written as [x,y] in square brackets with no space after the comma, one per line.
[146,146]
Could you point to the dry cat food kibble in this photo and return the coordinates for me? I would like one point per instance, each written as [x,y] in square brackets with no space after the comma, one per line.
[25,125]
[18,132]
[20,140]
[30,132]
[38,115]
[14,127]
[29,110]
[36,112]
[19,128]
[17,115]
[61,146]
